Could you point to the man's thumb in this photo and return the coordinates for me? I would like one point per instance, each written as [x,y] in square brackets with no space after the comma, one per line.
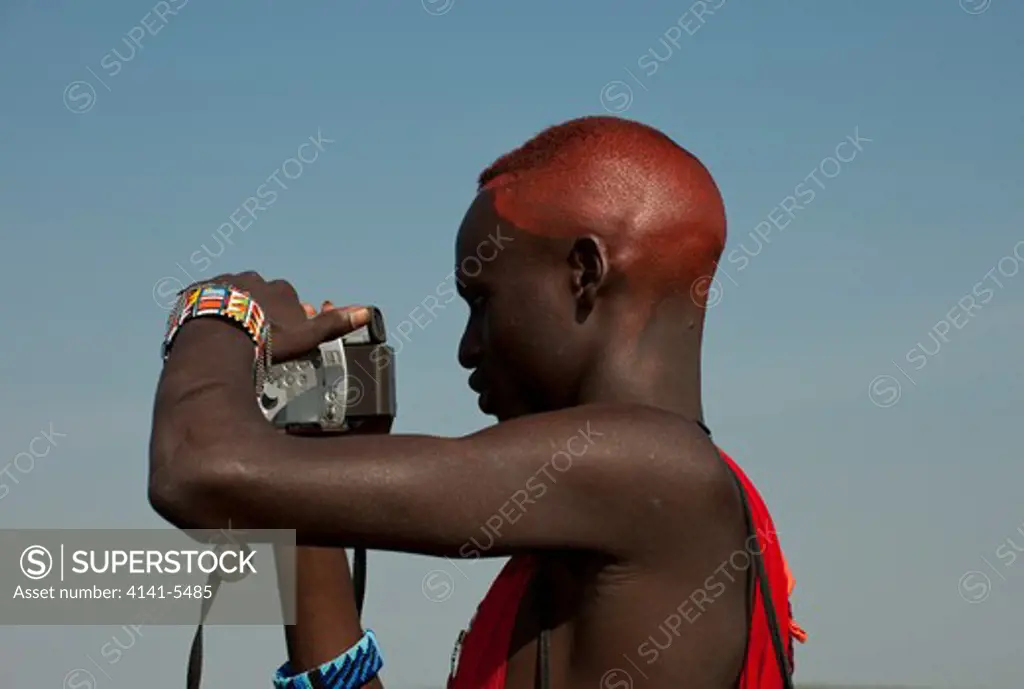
[301,339]
[334,323]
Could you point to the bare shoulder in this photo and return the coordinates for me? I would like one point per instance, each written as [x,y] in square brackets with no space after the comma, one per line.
[652,446]
[671,462]
[654,473]
[642,442]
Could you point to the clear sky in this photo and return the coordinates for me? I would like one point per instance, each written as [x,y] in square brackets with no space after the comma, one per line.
[113,188]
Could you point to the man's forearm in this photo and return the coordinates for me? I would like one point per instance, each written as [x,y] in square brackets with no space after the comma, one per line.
[326,613]
[326,620]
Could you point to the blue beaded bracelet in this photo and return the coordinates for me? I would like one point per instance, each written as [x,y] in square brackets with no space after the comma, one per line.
[351,670]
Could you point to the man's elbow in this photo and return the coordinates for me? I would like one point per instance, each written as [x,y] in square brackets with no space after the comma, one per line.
[187,492]
[175,498]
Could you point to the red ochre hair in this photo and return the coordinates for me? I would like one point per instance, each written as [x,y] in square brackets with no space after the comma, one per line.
[653,203]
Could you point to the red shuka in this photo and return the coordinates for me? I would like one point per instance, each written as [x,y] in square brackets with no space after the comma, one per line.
[760,670]
[480,659]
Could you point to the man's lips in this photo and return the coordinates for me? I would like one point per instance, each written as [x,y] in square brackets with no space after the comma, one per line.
[476,383]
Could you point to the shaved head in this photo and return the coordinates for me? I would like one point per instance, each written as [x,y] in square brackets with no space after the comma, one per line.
[652,203]
[605,227]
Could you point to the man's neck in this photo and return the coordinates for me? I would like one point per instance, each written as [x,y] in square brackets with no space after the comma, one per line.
[652,360]
[654,379]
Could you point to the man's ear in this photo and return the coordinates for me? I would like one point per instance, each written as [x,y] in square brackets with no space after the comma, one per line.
[588,260]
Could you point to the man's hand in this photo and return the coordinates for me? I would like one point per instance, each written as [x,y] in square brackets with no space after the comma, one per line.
[294,330]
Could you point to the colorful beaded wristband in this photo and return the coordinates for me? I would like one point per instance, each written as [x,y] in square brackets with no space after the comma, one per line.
[351,670]
[226,302]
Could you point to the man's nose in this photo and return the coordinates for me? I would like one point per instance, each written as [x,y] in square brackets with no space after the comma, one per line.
[469,348]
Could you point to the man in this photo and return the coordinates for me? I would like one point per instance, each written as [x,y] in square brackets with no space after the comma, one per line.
[631,535]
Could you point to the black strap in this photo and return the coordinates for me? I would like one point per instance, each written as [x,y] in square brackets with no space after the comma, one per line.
[761,579]
[195,656]
[543,658]
[194,673]
[359,578]
[768,600]
[544,642]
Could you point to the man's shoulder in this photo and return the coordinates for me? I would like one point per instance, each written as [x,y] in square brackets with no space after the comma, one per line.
[657,453]
[672,498]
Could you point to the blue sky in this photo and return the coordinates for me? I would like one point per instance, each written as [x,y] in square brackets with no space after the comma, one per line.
[884,501]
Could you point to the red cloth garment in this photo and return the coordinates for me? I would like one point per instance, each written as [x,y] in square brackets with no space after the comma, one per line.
[480,659]
[760,669]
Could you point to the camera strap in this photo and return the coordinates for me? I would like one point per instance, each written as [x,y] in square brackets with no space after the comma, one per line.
[195,655]
[194,673]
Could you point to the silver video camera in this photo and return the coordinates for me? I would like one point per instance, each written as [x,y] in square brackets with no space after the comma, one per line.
[346,384]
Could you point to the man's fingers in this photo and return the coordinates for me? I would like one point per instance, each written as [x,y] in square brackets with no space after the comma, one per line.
[334,323]
[300,339]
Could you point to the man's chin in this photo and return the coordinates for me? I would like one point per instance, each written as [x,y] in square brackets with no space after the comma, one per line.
[492,406]
[508,414]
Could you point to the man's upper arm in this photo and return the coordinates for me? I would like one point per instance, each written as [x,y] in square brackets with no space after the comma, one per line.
[589,478]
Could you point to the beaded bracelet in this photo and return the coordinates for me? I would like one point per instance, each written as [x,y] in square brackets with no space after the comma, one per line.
[350,670]
[226,302]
